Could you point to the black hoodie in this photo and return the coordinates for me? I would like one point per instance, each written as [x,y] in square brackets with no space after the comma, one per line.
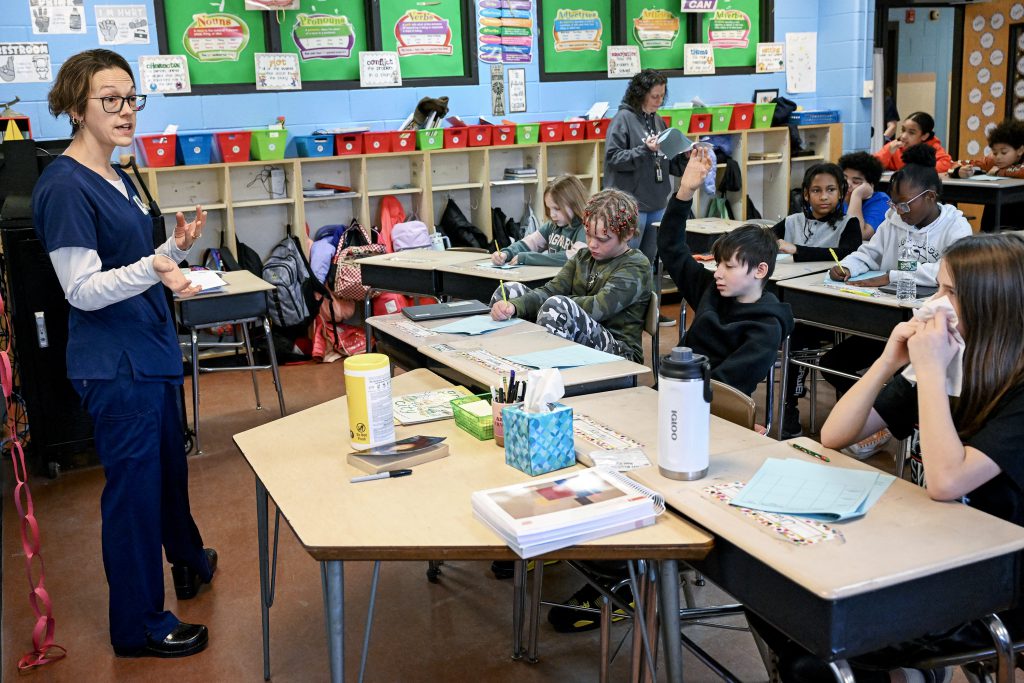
[740,340]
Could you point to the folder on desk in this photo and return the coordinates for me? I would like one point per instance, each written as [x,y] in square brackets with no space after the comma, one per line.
[923,291]
[451,309]
[572,356]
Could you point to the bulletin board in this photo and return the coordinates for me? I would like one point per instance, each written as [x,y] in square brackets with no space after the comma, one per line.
[659,29]
[328,36]
[988,64]
[219,43]
[734,28]
[428,36]
[577,34]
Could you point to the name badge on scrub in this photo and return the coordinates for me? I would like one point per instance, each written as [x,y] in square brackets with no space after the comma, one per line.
[138,203]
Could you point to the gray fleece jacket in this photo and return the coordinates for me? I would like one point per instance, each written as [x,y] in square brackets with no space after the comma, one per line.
[628,164]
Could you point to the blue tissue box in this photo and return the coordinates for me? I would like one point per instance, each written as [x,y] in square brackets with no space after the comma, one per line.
[537,443]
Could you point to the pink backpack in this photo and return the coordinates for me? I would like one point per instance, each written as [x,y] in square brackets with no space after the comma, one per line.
[410,235]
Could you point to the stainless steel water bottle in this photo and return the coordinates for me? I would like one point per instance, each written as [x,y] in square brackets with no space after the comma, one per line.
[684,414]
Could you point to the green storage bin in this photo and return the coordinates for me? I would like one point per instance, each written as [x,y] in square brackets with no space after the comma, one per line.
[680,118]
[268,145]
[763,114]
[478,425]
[430,138]
[527,133]
[721,115]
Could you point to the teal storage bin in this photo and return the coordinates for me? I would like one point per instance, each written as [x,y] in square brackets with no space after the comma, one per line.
[538,443]
[195,148]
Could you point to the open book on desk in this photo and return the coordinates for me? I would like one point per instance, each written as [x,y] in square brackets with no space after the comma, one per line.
[537,517]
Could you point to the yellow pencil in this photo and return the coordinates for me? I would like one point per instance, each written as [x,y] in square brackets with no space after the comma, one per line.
[833,252]
[503,297]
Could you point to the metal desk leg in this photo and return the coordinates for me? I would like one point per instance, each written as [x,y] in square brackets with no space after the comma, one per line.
[252,364]
[367,311]
[332,574]
[668,596]
[195,387]
[841,671]
[538,584]
[273,366]
[997,224]
[267,571]
[785,383]
[1004,648]
[518,605]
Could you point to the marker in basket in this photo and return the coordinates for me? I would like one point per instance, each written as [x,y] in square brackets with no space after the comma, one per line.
[838,264]
[809,452]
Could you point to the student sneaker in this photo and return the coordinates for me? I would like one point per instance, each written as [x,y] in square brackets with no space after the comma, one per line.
[870,445]
[566,620]
[943,675]
[666,321]
[791,427]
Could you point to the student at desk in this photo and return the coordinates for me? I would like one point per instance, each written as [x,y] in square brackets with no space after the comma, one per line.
[970,448]
[863,172]
[561,236]
[600,297]
[1006,141]
[918,129]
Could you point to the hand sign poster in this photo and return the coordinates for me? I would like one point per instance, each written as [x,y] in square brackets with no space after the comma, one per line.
[122,24]
[51,17]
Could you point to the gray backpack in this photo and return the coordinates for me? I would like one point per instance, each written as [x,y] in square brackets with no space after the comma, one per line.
[292,301]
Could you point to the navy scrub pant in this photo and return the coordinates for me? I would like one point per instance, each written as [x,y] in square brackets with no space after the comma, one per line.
[139,439]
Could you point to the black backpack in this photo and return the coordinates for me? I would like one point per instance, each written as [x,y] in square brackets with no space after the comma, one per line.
[460,231]
[782,116]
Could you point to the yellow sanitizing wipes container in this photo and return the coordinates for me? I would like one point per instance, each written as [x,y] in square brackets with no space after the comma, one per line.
[371,420]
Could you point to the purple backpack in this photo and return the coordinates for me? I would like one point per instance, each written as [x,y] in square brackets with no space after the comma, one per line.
[410,235]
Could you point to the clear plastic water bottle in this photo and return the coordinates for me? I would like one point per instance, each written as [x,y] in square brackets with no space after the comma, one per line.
[906,285]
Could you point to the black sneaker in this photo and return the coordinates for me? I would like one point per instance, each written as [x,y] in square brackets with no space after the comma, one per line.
[564,619]
[666,321]
[791,427]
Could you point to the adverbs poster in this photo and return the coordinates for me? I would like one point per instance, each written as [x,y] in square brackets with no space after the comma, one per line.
[277,71]
[771,57]
[122,24]
[420,32]
[166,74]
[699,59]
[53,17]
[656,29]
[379,70]
[577,30]
[505,31]
[623,61]
[323,36]
[25,63]
[218,37]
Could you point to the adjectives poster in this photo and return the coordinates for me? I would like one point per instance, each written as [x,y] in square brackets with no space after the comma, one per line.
[576,36]
[505,31]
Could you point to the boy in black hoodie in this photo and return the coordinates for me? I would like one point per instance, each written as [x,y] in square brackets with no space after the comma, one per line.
[736,324]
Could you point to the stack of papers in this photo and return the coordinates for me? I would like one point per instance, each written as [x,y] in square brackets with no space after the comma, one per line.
[573,356]
[209,280]
[476,324]
[824,492]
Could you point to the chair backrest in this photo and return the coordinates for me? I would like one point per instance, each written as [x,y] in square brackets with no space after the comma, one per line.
[652,328]
[732,404]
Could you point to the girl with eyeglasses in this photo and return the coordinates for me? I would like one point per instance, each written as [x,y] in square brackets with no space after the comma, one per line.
[122,355]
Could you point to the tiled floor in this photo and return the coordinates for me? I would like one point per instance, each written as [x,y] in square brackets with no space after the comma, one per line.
[459,628]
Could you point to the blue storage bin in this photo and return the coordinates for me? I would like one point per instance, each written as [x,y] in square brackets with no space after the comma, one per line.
[314,145]
[812,118]
[195,148]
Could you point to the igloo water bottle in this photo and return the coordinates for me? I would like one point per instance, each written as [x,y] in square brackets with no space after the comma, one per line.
[684,414]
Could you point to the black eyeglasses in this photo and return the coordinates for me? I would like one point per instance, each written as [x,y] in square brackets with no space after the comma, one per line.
[113,104]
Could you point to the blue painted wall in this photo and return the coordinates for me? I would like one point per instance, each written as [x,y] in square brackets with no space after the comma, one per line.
[926,46]
[844,48]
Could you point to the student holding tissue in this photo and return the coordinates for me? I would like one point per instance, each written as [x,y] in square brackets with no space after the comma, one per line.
[600,297]
[965,343]
[561,236]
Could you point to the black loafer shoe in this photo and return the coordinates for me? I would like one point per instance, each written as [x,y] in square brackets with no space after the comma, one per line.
[187,580]
[183,641]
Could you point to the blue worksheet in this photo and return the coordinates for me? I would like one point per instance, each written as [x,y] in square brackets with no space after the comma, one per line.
[476,324]
[856,278]
[573,356]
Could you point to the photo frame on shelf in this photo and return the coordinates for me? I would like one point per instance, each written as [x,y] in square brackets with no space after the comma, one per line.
[765,96]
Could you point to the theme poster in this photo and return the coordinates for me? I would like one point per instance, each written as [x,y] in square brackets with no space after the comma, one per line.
[218,37]
[25,63]
[505,31]
[277,71]
[699,59]
[122,24]
[52,17]
[164,74]
[379,70]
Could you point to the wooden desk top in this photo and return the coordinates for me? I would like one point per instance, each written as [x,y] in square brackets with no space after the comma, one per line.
[904,536]
[709,226]
[399,326]
[420,259]
[969,182]
[238,282]
[301,461]
[520,274]
[514,344]
[788,269]
[815,284]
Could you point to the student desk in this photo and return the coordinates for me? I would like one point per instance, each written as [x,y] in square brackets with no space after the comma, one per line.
[464,280]
[402,337]
[582,380]
[242,302]
[299,461]
[993,193]
[786,269]
[909,567]
[701,233]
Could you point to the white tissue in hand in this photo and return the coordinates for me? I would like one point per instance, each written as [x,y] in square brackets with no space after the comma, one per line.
[542,387]
[955,371]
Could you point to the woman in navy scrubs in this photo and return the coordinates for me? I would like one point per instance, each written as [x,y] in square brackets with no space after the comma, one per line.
[123,356]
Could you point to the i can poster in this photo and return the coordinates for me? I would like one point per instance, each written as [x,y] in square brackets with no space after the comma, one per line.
[420,32]
[577,30]
[166,74]
[25,63]
[122,24]
[323,36]
[218,37]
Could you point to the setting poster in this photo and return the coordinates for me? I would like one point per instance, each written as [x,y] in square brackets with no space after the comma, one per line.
[576,36]
[656,27]
[328,36]
[733,30]
[426,36]
[220,45]
[505,31]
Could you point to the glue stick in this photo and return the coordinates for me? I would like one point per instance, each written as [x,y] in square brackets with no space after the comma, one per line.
[371,420]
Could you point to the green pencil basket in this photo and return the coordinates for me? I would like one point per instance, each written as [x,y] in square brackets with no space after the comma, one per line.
[268,145]
[527,133]
[480,426]
[679,118]
[430,138]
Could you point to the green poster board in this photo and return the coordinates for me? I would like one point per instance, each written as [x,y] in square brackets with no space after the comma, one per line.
[426,36]
[219,45]
[577,34]
[734,29]
[659,29]
[328,36]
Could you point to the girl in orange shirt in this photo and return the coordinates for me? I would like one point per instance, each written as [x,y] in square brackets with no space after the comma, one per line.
[918,128]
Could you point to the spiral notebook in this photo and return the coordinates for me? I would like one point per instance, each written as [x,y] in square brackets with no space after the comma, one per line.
[539,516]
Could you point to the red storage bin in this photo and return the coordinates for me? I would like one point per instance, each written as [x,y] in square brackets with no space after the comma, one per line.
[700,123]
[159,149]
[503,135]
[551,131]
[377,143]
[574,130]
[234,145]
[667,120]
[346,144]
[479,136]
[742,116]
[456,138]
[597,130]
[403,141]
